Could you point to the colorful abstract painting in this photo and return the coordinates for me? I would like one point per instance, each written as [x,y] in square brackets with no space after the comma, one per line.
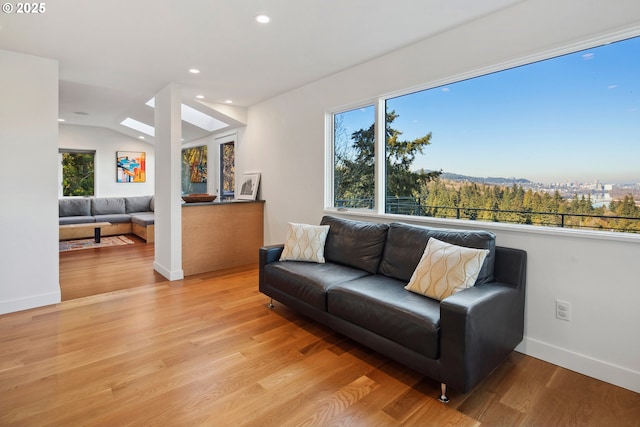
[195,160]
[131,166]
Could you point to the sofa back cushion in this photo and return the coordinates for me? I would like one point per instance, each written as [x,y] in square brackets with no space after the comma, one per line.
[137,204]
[356,244]
[107,206]
[406,244]
[74,207]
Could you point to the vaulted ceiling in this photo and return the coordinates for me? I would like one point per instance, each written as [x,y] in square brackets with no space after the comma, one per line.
[115,55]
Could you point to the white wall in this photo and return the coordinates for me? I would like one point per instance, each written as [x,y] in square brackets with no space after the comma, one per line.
[106,143]
[601,280]
[29,213]
[600,277]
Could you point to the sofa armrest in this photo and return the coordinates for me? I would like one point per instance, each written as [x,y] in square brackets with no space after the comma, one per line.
[511,267]
[479,327]
[267,255]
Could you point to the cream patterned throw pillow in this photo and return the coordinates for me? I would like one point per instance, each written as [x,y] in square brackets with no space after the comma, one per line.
[305,243]
[445,269]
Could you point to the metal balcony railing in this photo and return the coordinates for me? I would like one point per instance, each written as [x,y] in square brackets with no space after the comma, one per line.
[413,206]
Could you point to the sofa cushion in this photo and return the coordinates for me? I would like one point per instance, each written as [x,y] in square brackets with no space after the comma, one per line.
[307,281]
[445,269]
[304,243]
[406,244]
[137,204]
[107,205]
[64,220]
[382,305]
[356,244]
[142,218]
[74,207]
[113,218]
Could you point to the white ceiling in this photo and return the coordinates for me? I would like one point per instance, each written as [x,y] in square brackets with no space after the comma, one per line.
[115,55]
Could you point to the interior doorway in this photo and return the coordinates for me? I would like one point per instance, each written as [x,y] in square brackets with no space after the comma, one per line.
[96,271]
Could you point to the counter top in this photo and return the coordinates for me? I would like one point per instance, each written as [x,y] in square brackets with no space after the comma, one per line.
[220,202]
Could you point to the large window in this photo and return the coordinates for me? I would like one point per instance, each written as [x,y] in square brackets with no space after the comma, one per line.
[78,172]
[553,143]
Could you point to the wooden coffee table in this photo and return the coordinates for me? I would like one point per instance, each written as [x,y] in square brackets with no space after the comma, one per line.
[97,226]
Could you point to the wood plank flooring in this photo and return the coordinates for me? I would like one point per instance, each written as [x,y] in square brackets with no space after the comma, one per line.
[100,270]
[206,351]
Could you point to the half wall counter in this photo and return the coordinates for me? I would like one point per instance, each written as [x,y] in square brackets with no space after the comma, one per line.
[219,235]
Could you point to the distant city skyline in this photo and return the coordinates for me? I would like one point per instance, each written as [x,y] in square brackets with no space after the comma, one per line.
[575,118]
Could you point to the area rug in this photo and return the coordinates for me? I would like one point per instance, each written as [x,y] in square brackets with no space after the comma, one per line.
[74,245]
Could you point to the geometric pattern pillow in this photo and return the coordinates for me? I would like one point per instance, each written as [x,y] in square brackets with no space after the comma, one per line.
[445,269]
[305,243]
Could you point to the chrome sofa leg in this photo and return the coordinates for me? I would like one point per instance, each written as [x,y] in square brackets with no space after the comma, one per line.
[271,306]
[443,393]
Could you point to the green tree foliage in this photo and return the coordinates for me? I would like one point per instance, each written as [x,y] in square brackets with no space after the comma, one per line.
[470,200]
[354,174]
[625,208]
[400,154]
[355,170]
[77,174]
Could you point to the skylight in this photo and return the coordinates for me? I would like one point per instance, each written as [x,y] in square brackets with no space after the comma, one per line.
[195,117]
[198,118]
[139,126]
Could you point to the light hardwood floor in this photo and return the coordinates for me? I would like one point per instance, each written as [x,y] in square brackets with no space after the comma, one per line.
[206,351]
[97,271]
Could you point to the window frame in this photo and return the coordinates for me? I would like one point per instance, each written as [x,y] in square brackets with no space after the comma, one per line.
[380,144]
[330,154]
[221,146]
[220,141]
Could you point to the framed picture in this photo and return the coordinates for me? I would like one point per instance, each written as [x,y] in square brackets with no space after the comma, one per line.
[194,162]
[249,185]
[131,166]
[194,170]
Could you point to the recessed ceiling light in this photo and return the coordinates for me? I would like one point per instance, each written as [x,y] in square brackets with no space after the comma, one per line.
[228,101]
[194,71]
[200,96]
[263,19]
[141,137]
[61,120]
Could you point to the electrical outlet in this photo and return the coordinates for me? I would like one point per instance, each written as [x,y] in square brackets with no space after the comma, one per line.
[563,310]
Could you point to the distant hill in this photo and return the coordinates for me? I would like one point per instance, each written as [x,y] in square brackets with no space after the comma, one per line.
[487,180]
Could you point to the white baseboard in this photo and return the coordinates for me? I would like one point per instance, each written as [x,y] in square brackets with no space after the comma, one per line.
[171,275]
[583,364]
[19,304]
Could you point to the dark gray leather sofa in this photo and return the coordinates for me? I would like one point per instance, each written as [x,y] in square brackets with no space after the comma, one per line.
[360,293]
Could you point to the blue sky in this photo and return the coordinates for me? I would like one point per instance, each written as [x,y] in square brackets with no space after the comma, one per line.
[572,118]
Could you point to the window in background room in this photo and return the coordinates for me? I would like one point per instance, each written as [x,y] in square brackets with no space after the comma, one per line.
[354,158]
[227,170]
[551,143]
[78,172]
